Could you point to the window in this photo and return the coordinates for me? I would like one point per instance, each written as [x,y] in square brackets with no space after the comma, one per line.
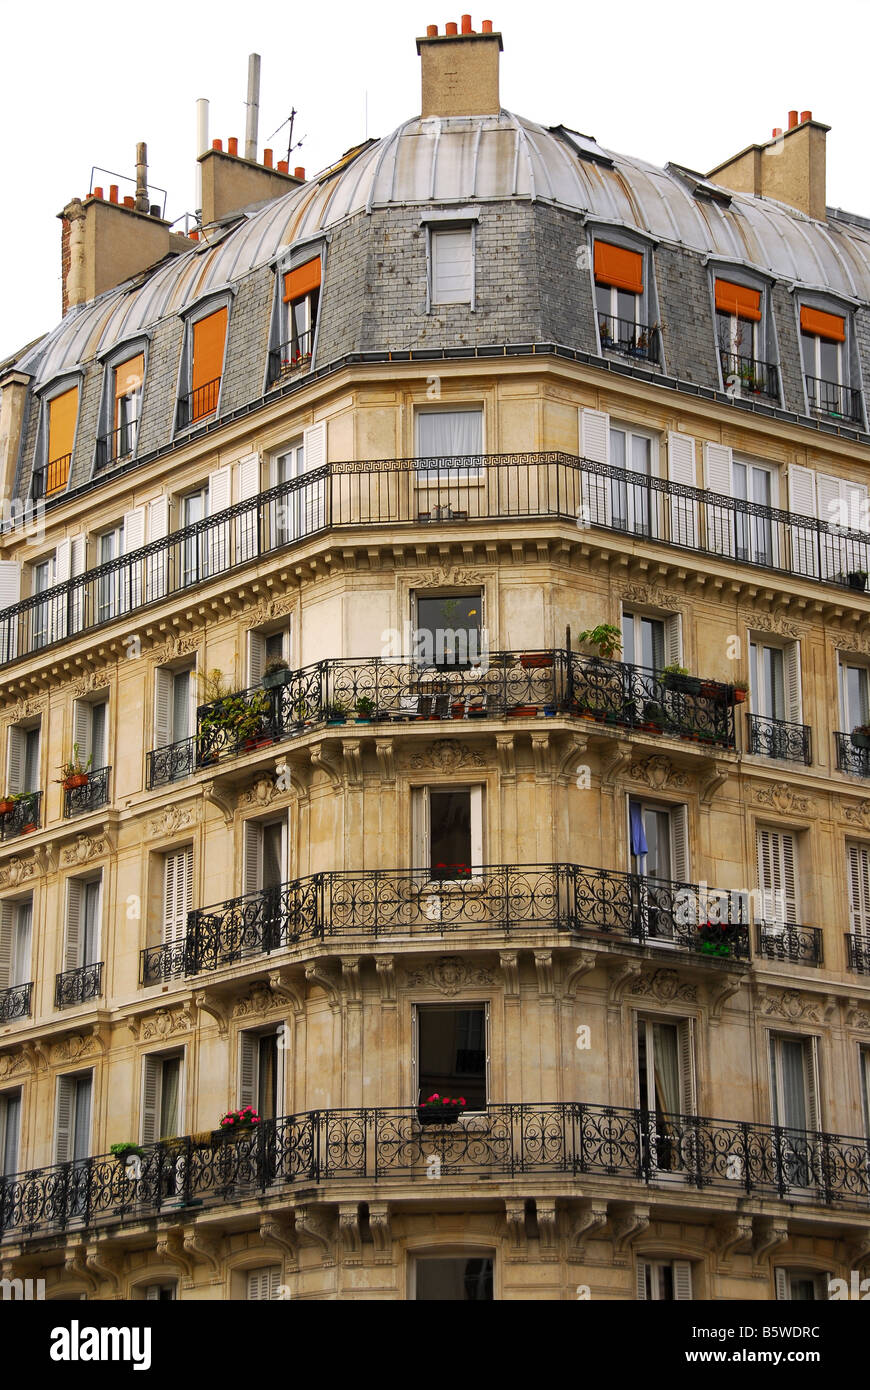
[203,367]
[301,508]
[16,921]
[754,538]
[454,435]
[452,1056]
[22,759]
[161,1097]
[631,503]
[301,299]
[447,825]
[823,352]
[858,867]
[113,587]
[173,707]
[664,1279]
[651,642]
[162,1293]
[455,1280]
[864,1077]
[741,339]
[90,732]
[265,853]
[82,944]
[10,1131]
[801,1286]
[451,254]
[775,680]
[263,1283]
[795,1093]
[448,629]
[127,380]
[261,1074]
[666,1090]
[264,647]
[776,852]
[619,300]
[72,1131]
[177,893]
[43,614]
[63,410]
[854,695]
[659,855]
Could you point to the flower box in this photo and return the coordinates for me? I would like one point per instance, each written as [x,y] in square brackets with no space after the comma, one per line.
[77,779]
[6,806]
[523,712]
[536,661]
[273,679]
[438,1114]
[860,740]
[477,712]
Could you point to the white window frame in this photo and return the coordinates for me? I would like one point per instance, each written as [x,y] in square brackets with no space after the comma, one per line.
[165,731]
[672,635]
[432,477]
[817,340]
[433,232]
[153,1064]
[456,1006]
[812,1099]
[63,1144]
[248,1087]
[852,718]
[649,1280]
[16,942]
[791,678]
[783,1277]
[14,1094]
[777,855]
[421,830]
[858,875]
[74,941]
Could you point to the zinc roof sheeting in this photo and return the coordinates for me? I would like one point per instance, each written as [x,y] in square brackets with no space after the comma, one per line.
[464,160]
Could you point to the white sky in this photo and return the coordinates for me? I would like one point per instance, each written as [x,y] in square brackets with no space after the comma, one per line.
[661,79]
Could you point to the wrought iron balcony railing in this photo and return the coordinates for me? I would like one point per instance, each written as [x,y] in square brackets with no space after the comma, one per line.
[15,1002]
[465,491]
[79,985]
[198,404]
[858,951]
[778,738]
[786,941]
[673,1154]
[832,399]
[287,358]
[50,478]
[23,817]
[852,757]
[77,801]
[630,338]
[498,898]
[501,685]
[115,445]
[748,376]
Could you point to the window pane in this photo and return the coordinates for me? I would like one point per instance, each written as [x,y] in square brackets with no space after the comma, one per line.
[449,433]
[627,305]
[169,1097]
[602,299]
[31,761]
[448,629]
[652,653]
[12,1107]
[453,1281]
[829,357]
[449,833]
[267,1076]
[447,1064]
[808,352]
[272,855]
[181,705]
[82,1118]
[91,914]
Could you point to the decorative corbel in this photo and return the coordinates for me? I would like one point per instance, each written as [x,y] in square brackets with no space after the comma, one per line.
[274,1231]
[510,969]
[711,774]
[351,749]
[548,1236]
[627,1226]
[386,751]
[75,1264]
[720,993]
[590,1220]
[46,858]
[505,751]
[134,1023]
[283,987]
[171,1249]
[620,756]
[515,1217]
[621,976]
[733,1234]
[770,1234]
[381,1232]
[544,969]
[541,754]
[859,1251]
[312,1229]
[216,1008]
[349,1233]
[578,747]
[315,975]
[350,978]
[830,1005]
[203,1248]
[35,1051]
[581,964]
[106,1265]
[213,792]
[385,969]
[320,755]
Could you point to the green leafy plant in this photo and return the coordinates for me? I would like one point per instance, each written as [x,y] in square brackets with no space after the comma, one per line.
[245,1118]
[276,664]
[73,767]
[125,1150]
[337,709]
[606,637]
[365,706]
[674,670]
[213,686]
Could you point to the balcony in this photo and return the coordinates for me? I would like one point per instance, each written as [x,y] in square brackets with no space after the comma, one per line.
[79,985]
[22,817]
[198,405]
[673,1155]
[629,338]
[858,952]
[851,756]
[15,1002]
[784,941]
[288,359]
[116,445]
[503,685]
[777,738]
[78,801]
[51,478]
[748,376]
[416,904]
[367,497]
[833,401]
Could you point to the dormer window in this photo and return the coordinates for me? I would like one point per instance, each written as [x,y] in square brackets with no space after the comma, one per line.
[742,353]
[202,366]
[825,363]
[61,415]
[122,409]
[300,301]
[619,300]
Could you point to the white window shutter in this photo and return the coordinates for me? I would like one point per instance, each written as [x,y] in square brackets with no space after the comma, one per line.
[78,563]
[681,469]
[158,518]
[15,758]
[680,843]
[673,640]
[595,446]
[783,1288]
[314,446]
[247,477]
[719,479]
[7,929]
[163,693]
[420,828]
[792,665]
[452,266]
[640,1280]
[274,1281]
[682,1280]
[63,1120]
[82,728]
[177,893]
[152,1292]
[802,500]
[62,560]
[74,924]
[218,536]
[248,1051]
[247,524]
[219,490]
[58,604]
[859,889]
[10,593]
[264,1283]
[789,875]
[828,498]
[256,657]
[130,585]
[811,1083]
[476,828]
[253,857]
[152,1069]
[157,565]
[686,1041]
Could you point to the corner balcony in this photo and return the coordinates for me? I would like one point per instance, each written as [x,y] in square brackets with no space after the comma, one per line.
[415,904]
[673,1155]
[853,754]
[15,1002]
[505,685]
[406,494]
[21,816]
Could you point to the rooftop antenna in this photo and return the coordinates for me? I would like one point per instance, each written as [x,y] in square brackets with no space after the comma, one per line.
[290,146]
[253,105]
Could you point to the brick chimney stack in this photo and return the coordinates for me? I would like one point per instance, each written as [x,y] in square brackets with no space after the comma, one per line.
[460,70]
[790,167]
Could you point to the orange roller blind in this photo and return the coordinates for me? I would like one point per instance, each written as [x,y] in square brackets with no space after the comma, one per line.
[616,266]
[62,412]
[734,299]
[302,280]
[209,336]
[128,376]
[822,324]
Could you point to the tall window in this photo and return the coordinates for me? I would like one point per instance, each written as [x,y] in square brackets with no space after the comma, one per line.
[666,1089]
[62,416]
[173,705]
[854,695]
[264,647]
[90,732]
[22,760]
[650,642]
[457,1279]
[452,1057]
[777,878]
[112,587]
[619,299]
[823,343]
[16,921]
[301,301]
[794,1082]
[10,1132]
[452,265]
[72,1133]
[448,629]
[42,616]
[261,1073]
[664,1280]
[858,868]
[775,681]
[864,1076]
[82,945]
[801,1285]
[127,379]
[177,893]
[631,503]
[754,534]
[161,1097]
[738,326]
[205,362]
[263,1283]
[448,831]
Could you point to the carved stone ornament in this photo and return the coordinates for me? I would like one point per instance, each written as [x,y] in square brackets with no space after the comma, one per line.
[445,574]
[12,1064]
[72,1048]
[664,985]
[853,644]
[762,621]
[261,793]
[270,609]
[446,755]
[85,848]
[90,680]
[792,1005]
[856,814]
[658,772]
[177,644]
[172,819]
[166,1022]
[259,1000]
[17,869]
[25,709]
[448,974]
[653,595]
[782,798]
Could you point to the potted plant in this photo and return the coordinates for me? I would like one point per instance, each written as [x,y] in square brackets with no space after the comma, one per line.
[606,637]
[535,661]
[365,708]
[242,1121]
[336,712]
[477,711]
[861,736]
[677,677]
[74,773]
[440,1110]
[6,805]
[857,579]
[738,693]
[126,1150]
[457,709]
[716,938]
[653,717]
[276,673]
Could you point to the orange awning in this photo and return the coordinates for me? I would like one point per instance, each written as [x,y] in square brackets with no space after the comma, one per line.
[302,280]
[738,300]
[823,325]
[616,266]
[128,376]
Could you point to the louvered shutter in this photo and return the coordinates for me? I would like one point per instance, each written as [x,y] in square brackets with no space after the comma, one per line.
[264,1283]
[680,843]
[62,565]
[7,937]
[256,657]
[682,1280]
[152,1073]
[783,1288]
[248,1055]
[719,479]
[78,561]
[686,1046]
[856,554]
[859,889]
[74,924]
[157,563]
[673,642]
[15,759]
[217,547]
[130,587]
[313,498]
[831,503]
[177,893]
[63,1119]
[595,447]
[10,593]
[247,487]
[802,500]
[82,727]
[640,1280]
[776,876]
[152,1292]
[452,266]
[684,510]
[811,1083]
[253,857]
[163,693]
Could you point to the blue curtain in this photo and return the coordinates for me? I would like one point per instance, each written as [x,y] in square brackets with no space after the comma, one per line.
[639,845]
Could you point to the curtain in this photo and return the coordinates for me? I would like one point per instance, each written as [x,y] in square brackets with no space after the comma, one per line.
[666,1066]
[82,1121]
[639,845]
[794,1101]
[169,1098]
[450,433]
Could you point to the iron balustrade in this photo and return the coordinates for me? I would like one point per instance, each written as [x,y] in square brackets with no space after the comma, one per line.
[749,376]
[831,398]
[501,898]
[630,338]
[23,817]
[779,738]
[672,1154]
[851,757]
[15,1002]
[78,801]
[50,478]
[787,941]
[79,985]
[291,357]
[116,444]
[636,697]
[858,951]
[198,404]
[459,491]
